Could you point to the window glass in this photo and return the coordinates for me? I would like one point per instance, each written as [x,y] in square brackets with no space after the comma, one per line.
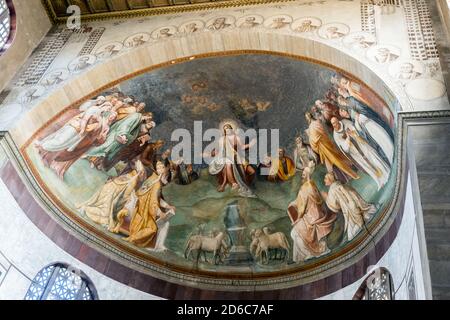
[4,23]
[60,282]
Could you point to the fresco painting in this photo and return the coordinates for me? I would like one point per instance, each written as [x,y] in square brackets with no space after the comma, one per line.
[110,162]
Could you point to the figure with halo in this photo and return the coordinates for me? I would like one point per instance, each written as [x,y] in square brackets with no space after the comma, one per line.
[230,167]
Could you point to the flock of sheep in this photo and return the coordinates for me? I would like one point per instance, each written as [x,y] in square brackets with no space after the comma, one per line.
[265,246]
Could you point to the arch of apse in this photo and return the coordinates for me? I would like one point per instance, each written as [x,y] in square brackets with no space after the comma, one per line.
[145,58]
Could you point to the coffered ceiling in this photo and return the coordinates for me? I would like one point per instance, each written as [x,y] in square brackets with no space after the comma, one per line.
[103,9]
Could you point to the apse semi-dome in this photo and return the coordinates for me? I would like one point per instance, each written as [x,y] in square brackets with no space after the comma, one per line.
[123,166]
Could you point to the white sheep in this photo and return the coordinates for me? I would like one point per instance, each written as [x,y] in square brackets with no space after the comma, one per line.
[263,241]
[202,244]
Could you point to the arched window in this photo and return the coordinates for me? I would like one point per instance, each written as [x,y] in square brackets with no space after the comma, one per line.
[5,23]
[377,286]
[60,281]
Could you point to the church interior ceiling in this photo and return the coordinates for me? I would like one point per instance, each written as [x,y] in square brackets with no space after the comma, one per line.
[102,159]
[100,9]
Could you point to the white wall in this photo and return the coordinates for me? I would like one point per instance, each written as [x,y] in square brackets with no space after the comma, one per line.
[32,25]
[25,250]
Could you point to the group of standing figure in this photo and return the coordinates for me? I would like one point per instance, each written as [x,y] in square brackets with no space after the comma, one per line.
[342,134]
[348,142]
[347,138]
[99,131]
[104,132]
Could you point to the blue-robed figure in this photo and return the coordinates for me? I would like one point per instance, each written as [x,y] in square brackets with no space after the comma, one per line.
[121,135]
[369,126]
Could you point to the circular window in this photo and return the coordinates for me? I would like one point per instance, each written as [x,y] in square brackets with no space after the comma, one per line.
[60,281]
[5,24]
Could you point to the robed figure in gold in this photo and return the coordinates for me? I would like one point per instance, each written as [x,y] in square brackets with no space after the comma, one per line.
[150,223]
[328,153]
[282,168]
[114,201]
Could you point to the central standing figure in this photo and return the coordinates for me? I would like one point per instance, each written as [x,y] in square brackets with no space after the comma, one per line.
[227,164]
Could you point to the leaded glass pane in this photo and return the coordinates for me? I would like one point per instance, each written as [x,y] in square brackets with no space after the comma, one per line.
[87,294]
[39,284]
[57,282]
[379,287]
[4,23]
[3,6]
[66,286]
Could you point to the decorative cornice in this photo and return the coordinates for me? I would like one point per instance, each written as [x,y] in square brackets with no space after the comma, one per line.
[424,115]
[155,11]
